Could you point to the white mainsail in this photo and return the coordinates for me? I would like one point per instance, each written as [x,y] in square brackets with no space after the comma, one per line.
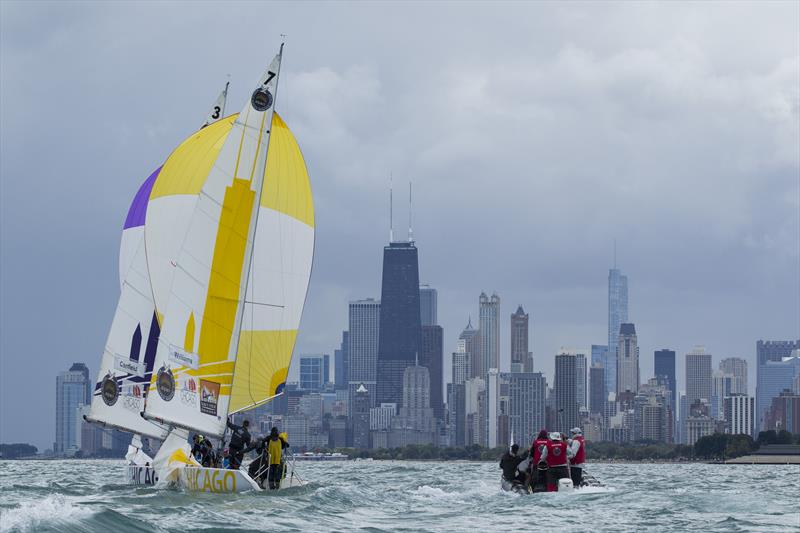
[199,340]
[127,362]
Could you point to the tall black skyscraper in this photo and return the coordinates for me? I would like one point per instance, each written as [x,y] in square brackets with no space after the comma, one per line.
[400,336]
[664,364]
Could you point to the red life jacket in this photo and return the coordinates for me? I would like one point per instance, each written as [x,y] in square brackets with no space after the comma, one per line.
[556,453]
[580,457]
[538,446]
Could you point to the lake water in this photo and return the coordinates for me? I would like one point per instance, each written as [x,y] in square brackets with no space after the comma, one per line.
[406,496]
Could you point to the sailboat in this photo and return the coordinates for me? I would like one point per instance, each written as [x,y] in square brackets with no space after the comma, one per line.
[230,295]
[127,362]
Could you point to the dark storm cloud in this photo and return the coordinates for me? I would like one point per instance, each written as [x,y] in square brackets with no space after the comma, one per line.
[535,134]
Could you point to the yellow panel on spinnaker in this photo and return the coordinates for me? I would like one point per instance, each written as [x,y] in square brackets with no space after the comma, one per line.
[188,166]
[261,366]
[287,188]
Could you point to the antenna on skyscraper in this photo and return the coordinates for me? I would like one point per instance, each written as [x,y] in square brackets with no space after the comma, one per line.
[410,231]
[391,214]
[615,253]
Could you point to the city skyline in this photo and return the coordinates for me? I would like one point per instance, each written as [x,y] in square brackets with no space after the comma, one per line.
[557,115]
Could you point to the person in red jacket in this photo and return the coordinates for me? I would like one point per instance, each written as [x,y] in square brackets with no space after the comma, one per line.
[538,479]
[577,456]
[557,462]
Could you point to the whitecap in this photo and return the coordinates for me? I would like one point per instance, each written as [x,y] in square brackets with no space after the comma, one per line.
[30,515]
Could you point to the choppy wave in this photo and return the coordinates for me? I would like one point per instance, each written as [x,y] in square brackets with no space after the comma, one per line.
[405,496]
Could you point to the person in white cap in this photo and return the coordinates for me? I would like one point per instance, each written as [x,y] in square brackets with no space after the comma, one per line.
[577,456]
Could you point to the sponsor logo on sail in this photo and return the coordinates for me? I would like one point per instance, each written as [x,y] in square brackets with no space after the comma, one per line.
[182,358]
[165,384]
[261,99]
[109,390]
[209,397]
[129,366]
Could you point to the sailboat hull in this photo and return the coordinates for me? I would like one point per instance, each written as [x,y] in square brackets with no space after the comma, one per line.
[140,475]
[224,481]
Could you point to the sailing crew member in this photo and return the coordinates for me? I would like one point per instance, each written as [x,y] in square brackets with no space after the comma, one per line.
[240,439]
[557,463]
[275,445]
[539,451]
[509,463]
[577,456]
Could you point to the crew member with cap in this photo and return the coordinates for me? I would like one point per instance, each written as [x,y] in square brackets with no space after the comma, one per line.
[577,456]
[557,462]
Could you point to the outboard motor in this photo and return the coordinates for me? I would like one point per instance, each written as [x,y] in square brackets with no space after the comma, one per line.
[565,485]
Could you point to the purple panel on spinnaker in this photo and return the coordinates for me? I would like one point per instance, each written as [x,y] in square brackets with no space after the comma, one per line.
[138,208]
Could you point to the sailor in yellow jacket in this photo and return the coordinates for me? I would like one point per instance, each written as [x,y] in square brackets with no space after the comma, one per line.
[276,443]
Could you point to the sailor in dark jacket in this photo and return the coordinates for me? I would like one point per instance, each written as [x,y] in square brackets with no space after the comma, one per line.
[509,463]
[240,439]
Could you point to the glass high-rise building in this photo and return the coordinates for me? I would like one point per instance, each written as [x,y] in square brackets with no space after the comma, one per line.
[428,298]
[617,315]
[432,358]
[773,378]
[664,366]
[565,390]
[597,388]
[521,358]
[400,339]
[698,376]
[627,360]
[470,339]
[314,373]
[527,393]
[736,367]
[599,354]
[363,332]
[73,390]
[489,333]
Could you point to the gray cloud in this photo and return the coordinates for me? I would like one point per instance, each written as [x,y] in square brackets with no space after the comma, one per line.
[535,134]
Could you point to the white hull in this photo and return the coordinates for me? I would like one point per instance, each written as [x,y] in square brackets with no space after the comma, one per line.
[226,481]
[140,475]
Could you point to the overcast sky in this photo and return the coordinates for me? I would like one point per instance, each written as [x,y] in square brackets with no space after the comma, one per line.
[535,134]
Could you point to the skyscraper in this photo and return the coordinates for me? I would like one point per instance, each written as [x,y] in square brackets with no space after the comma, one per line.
[400,339]
[599,354]
[527,393]
[775,350]
[432,358]
[360,416]
[73,390]
[342,362]
[739,415]
[698,375]
[565,391]
[721,383]
[597,388]
[428,305]
[489,333]
[773,378]
[581,376]
[470,338]
[362,340]
[664,366]
[521,358]
[313,372]
[736,367]
[627,359]
[617,314]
